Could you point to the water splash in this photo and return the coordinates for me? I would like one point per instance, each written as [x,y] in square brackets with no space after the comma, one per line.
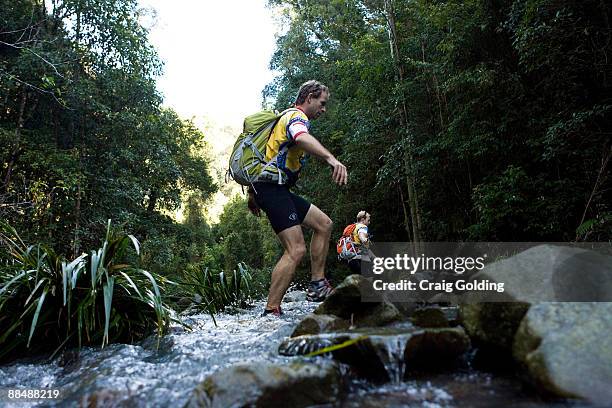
[139,375]
[391,354]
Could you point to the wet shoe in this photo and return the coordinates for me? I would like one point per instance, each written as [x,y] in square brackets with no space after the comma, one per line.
[318,290]
[274,311]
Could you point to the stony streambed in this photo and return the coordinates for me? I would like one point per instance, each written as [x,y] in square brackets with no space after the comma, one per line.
[141,376]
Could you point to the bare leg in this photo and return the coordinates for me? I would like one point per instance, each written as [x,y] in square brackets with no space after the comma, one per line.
[292,240]
[321,225]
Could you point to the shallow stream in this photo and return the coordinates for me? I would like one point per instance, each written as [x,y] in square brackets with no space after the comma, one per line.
[141,376]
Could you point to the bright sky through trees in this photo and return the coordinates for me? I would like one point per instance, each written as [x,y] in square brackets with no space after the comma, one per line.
[216,55]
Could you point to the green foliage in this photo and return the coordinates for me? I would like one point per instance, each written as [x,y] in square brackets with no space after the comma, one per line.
[495,113]
[83,135]
[244,238]
[213,291]
[48,302]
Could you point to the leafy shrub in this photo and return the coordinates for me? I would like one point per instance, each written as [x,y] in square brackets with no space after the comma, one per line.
[212,291]
[48,302]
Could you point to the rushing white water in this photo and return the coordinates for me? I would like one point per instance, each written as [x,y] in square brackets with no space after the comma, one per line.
[141,376]
[394,358]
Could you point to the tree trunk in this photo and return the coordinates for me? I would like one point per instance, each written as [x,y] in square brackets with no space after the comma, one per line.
[77,207]
[601,175]
[436,86]
[407,226]
[409,158]
[152,201]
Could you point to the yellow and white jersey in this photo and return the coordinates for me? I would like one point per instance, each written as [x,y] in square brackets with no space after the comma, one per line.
[289,127]
[359,228]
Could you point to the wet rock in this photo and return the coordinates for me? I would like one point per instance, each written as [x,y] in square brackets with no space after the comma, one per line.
[177,330]
[183,303]
[406,308]
[233,310]
[430,317]
[263,384]
[159,345]
[346,302]
[315,324]
[545,273]
[381,354]
[446,298]
[295,296]
[104,398]
[379,315]
[548,273]
[345,299]
[566,349]
[492,325]
[436,347]
[69,359]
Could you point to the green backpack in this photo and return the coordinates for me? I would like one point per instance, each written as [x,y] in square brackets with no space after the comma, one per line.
[247,163]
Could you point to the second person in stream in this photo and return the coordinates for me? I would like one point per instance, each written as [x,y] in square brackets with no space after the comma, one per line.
[287,211]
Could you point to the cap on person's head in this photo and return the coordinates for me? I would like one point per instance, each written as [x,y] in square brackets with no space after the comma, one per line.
[310,87]
[362,215]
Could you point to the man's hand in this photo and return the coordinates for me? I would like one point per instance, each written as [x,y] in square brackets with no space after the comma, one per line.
[253,207]
[308,143]
[339,172]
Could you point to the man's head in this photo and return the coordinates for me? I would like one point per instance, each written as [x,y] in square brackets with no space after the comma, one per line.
[312,98]
[363,217]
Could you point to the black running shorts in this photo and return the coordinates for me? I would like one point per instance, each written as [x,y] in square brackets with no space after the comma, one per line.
[283,208]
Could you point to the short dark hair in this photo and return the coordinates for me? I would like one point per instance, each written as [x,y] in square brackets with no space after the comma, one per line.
[310,87]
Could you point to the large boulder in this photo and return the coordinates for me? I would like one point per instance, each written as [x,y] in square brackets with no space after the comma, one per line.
[384,353]
[346,302]
[264,384]
[566,349]
[545,273]
[549,273]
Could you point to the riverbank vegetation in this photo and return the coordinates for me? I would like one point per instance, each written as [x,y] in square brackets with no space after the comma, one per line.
[48,302]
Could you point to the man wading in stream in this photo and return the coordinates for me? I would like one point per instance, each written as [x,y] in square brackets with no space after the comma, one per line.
[286,211]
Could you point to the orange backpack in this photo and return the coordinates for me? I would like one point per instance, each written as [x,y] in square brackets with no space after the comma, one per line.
[346,247]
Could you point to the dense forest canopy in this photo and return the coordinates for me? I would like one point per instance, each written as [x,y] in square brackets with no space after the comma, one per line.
[459,120]
[83,134]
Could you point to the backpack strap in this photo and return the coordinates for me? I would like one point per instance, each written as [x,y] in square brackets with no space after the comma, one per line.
[284,148]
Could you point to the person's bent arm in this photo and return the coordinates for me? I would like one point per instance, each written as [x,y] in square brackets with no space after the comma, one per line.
[363,237]
[311,145]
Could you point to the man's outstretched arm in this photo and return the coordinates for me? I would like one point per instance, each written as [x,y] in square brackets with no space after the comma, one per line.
[311,145]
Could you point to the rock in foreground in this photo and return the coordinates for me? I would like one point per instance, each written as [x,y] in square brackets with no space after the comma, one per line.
[263,384]
[567,350]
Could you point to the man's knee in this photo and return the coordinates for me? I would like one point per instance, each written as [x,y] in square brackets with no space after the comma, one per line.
[328,225]
[297,252]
